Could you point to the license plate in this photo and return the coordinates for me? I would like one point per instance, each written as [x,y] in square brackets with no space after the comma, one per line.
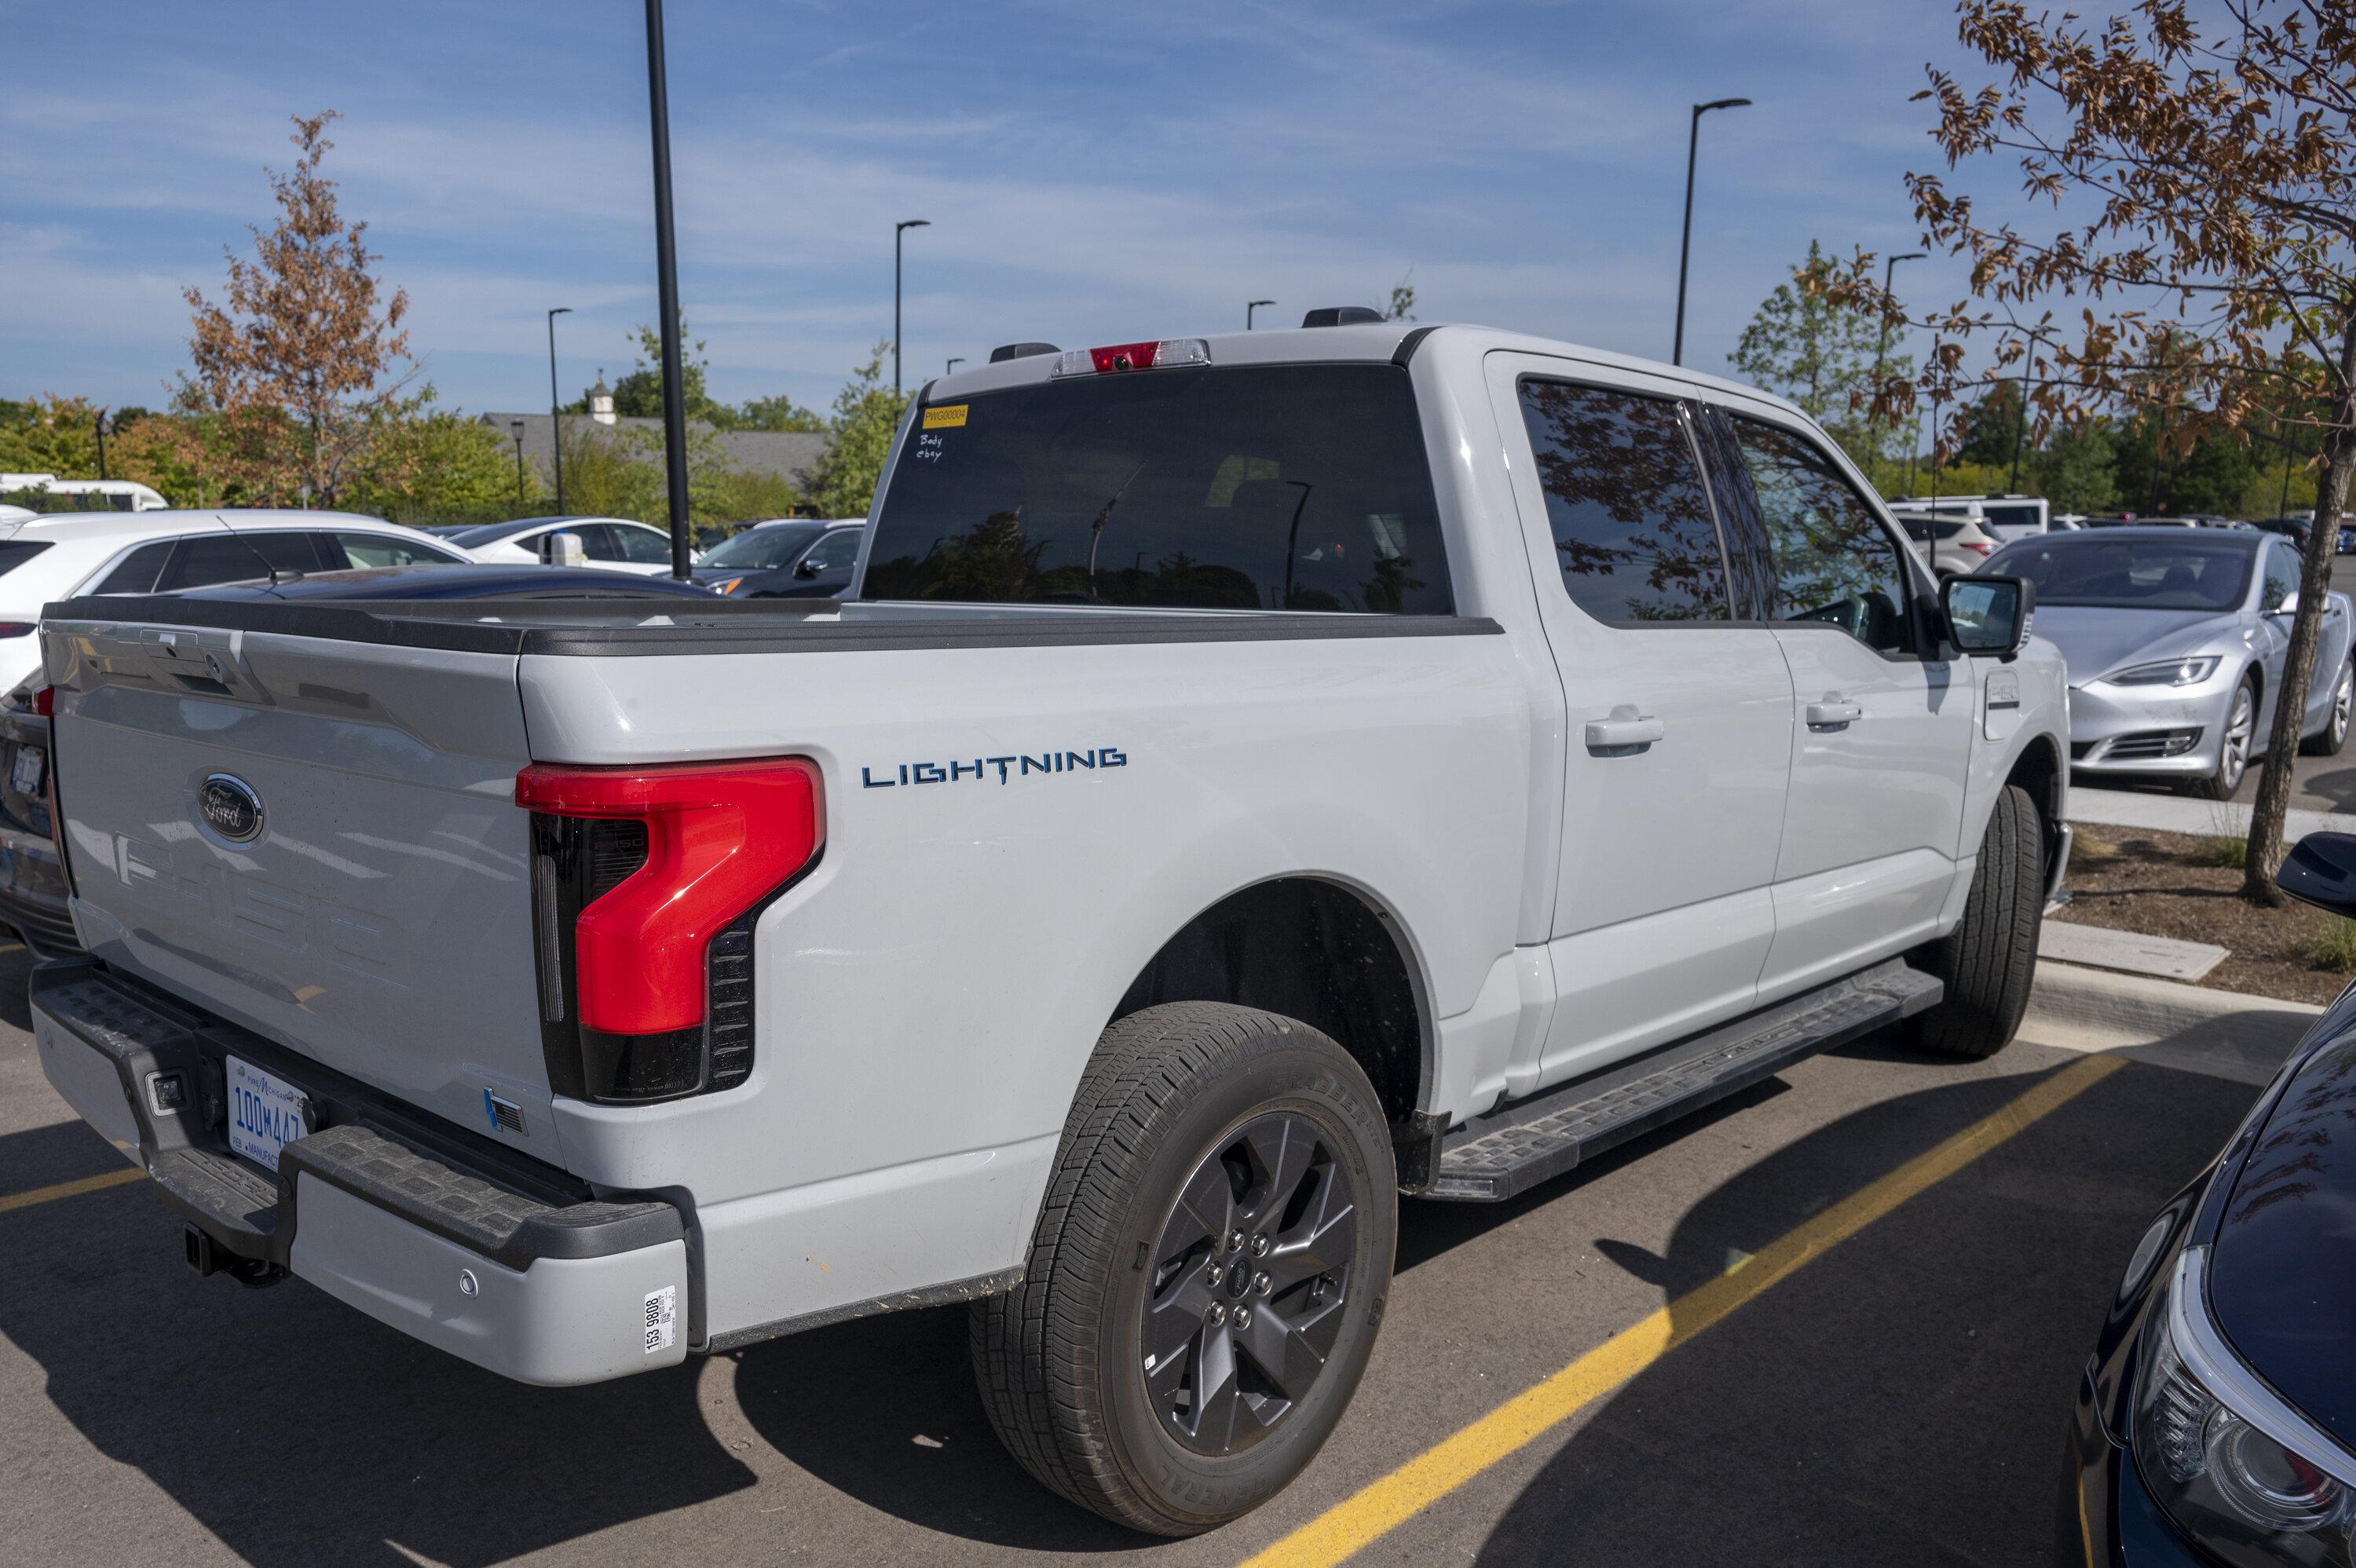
[266,1114]
[25,773]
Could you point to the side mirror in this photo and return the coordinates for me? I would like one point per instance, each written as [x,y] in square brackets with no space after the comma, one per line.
[806,568]
[2289,606]
[565,549]
[1988,615]
[2321,870]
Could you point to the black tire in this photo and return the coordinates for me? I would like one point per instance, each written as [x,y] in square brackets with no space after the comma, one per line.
[2328,741]
[1061,1361]
[1989,960]
[2236,745]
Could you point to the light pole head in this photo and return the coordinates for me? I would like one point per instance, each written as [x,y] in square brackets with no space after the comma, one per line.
[560,310]
[1701,108]
[912,223]
[954,362]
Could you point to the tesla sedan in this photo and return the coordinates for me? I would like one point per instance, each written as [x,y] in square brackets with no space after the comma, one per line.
[2175,640]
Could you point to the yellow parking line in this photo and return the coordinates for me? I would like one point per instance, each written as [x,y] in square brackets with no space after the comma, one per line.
[68,1188]
[1437,1471]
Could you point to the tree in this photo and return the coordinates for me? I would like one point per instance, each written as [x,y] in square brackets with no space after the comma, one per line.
[1403,298]
[429,465]
[638,395]
[292,359]
[2073,470]
[780,412]
[866,416]
[1992,429]
[1820,353]
[2202,189]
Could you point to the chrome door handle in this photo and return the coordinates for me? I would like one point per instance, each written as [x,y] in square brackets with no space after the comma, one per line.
[1823,715]
[1626,730]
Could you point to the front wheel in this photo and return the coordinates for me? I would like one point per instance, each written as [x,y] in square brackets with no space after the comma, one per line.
[1989,960]
[1207,1275]
[2327,741]
[2233,746]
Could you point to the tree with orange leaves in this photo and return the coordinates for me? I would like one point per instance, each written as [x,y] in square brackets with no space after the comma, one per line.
[2200,183]
[302,359]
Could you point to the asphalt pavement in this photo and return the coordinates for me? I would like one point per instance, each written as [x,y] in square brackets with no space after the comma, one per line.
[1899,1398]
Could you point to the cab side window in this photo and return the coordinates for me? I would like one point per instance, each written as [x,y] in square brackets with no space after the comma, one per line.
[1633,529]
[834,554]
[642,546]
[1831,558]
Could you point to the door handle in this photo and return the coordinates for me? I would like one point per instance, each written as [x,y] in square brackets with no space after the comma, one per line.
[1625,731]
[1824,715]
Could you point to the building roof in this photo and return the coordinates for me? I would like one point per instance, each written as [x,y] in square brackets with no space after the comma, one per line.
[788,454]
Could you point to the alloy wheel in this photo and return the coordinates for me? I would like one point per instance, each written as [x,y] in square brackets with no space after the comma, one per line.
[1252,1274]
[2236,744]
[2343,698]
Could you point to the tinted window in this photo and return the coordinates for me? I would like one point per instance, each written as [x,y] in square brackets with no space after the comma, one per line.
[2114,573]
[2012,517]
[1632,531]
[139,570]
[642,545]
[237,558]
[760,550]
[340,550]
[15,554]
[834,554]
[1281,487]
[1834,561]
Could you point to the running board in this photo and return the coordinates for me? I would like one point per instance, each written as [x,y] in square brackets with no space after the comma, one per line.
[1514,1148]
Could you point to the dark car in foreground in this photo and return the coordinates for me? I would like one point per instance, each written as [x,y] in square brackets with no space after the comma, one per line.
[790,559]
[2216,1419]
[32,884]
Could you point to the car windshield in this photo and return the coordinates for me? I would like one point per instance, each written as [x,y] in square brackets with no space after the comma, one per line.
[762,550]
[1253,487]
[2114,573]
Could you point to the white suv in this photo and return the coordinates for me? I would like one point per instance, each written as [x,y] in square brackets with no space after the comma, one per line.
[616,543]
[63,557]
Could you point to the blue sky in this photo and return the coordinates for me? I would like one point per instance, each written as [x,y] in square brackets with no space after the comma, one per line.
[1092,171]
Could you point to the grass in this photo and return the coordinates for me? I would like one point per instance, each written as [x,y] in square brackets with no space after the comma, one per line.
[2226,851]
[2336,949]
[2084,846]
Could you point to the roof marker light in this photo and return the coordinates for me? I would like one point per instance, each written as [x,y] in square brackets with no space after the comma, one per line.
[1118,356]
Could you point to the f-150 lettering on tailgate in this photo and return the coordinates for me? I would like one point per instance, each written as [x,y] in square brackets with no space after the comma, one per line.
[257,908]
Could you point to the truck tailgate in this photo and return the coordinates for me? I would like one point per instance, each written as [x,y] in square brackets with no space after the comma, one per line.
[317,839]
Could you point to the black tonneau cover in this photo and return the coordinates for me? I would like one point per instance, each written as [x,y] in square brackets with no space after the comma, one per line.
[608,628]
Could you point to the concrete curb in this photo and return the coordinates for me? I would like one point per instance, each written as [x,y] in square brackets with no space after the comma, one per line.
[2201,818]
[2226,1033]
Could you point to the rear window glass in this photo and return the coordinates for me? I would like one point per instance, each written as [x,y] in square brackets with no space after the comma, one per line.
[2116,574]
[15,554]
[1256,488]
[2014,516]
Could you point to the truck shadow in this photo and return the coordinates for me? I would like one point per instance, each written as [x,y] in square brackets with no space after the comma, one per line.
[293,1428]
[1902,1397]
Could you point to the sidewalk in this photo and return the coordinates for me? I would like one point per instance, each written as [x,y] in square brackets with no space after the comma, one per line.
[2204,819]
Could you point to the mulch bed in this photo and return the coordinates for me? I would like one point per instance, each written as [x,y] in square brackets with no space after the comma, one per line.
[2170,884]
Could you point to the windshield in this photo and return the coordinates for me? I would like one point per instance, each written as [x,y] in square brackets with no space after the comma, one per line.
[762,550]
[2114,573]
[1259,488]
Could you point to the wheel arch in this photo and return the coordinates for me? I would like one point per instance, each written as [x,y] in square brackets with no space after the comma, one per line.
[1317,948]
[2039,770]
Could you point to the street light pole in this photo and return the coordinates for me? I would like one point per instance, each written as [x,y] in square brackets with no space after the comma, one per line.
[556,420]
[674,378]
[1881,350]
[99,424]
[515,428]
[1684,246]
[897,230]
[955,360]
[1249,306]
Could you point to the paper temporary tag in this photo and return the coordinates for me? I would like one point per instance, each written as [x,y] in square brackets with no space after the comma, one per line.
[946,417]
[663,1318]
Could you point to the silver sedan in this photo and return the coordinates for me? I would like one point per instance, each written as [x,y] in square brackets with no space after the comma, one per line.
[2175,641]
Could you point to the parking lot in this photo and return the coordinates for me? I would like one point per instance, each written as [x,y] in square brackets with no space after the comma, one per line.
[1881,1275]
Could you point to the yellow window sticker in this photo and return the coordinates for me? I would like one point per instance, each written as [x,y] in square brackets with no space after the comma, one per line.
[946,417]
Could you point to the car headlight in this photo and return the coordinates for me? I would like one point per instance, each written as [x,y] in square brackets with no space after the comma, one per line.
[2238,1469]
[727,587]
[2171,672]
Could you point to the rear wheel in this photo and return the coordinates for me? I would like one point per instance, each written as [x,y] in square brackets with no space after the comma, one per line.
[2232,745]
[2327,741]
[1207,1275]
[1989,960]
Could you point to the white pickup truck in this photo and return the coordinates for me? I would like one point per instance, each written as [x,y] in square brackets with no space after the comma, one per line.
[1256,776]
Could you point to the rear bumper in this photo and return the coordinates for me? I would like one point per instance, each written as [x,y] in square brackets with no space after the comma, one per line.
[446,1237]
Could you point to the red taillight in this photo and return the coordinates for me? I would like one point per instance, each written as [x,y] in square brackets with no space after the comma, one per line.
[1124,356]
[1161,353]
[1980,549]
[45,701]
[18,629]
[720,836]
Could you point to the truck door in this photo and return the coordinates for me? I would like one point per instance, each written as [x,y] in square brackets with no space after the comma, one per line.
[1881,727]
[1679,715]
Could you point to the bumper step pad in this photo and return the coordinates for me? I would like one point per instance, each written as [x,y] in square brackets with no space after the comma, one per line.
[1495,1156]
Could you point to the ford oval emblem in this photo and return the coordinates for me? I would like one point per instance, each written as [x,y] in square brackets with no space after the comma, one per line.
[229,807]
